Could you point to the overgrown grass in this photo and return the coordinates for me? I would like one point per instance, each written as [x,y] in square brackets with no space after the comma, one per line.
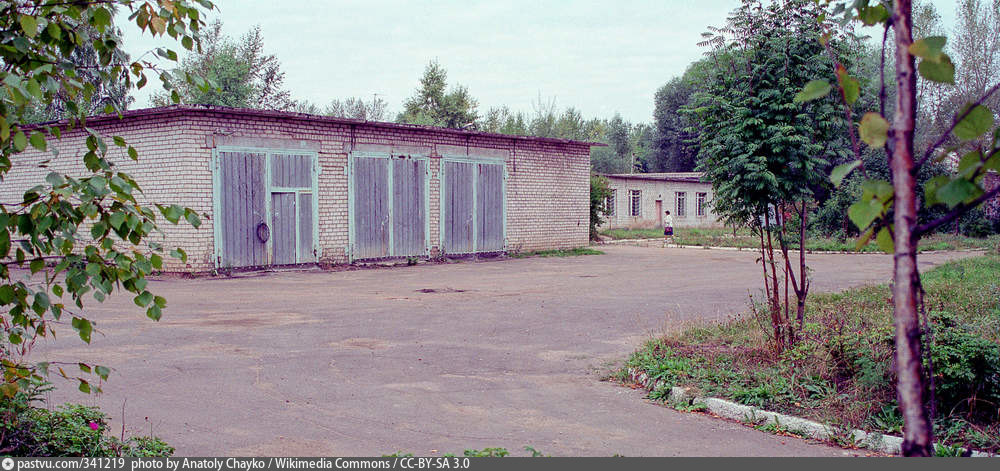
[725,237]
[558,253]
[840,371]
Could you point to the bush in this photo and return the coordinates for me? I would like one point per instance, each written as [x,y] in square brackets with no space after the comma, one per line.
[68,430]
[599,194]
[966,370]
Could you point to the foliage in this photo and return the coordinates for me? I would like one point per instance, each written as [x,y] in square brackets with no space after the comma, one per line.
[107,96]
[599,194]
[966,368]
[677,136]
[433,105]
[77,236]
[890,212]
[630,146]
[353,108]
[487,453]
[558,253]
[841,372]
[763,149]
[68,430]
[242,74]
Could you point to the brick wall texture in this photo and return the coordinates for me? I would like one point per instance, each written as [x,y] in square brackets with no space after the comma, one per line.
[547,200]
[665,191]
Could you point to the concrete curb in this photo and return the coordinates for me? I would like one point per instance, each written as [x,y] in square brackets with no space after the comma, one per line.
[751,415]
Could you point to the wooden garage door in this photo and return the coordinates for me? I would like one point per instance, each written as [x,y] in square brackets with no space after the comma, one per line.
[472,207]
[244,209]
[265,221]
[389,206]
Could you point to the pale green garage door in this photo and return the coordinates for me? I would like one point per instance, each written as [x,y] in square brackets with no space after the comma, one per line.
[265,202]
[388,206]
[472,207]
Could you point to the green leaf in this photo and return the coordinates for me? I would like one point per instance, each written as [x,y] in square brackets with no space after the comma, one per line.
[154,312]
[102,371]
[931,188]
[38,141]
[173,213]
[84,386]
[977,122]
[942,71]
[36,265]
[20,141]
[41,302]
[6,294]
[969,163]
[874,129]
[29,25]
[850,85]
[144,299]
[873,15]
[957,191]
[84,327]
[884,240]
[813,90]
[852,89]
[841,171]
[192,218]
[930,48]
[179,253]
[864,212]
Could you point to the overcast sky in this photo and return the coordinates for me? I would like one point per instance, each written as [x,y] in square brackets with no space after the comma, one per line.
[602,57]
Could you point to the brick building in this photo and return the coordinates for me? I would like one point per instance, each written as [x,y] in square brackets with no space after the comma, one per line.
[282,188]
[639,200]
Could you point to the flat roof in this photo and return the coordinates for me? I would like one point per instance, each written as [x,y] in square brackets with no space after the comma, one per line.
[173,110]
[688,177]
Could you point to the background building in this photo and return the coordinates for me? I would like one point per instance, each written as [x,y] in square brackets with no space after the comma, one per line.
[639,200]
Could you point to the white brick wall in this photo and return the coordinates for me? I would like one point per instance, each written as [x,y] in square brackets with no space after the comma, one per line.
[547,186]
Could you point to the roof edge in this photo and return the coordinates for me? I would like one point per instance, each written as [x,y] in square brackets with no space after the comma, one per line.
[211,109]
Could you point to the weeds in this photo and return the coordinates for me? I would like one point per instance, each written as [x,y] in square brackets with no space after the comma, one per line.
[841,369]
[558,253]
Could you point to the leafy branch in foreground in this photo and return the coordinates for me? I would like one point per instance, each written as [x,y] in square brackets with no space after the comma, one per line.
[890,211]
[76,236]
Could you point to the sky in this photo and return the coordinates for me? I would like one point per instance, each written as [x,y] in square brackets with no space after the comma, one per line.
[602,57]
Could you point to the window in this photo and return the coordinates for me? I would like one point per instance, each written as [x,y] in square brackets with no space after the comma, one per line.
[680,203]
[635,208]
[700,204]
[609,204]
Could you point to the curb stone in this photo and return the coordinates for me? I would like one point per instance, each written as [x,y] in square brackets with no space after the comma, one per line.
[751,415]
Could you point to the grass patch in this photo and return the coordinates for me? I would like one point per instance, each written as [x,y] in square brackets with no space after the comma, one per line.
[558,253]
[840,372]
[743,238]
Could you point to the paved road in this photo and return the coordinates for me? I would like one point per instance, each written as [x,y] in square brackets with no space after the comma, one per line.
[432,357]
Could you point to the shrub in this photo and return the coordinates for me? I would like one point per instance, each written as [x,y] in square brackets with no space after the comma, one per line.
[68,430]
[599,194]
[966,370]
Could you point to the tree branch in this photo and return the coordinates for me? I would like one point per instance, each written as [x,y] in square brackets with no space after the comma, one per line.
[955,213]
[958,118]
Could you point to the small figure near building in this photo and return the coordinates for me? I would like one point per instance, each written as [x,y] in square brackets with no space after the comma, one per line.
[668,228]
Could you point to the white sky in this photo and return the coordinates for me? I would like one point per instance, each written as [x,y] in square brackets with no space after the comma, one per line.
[600,56]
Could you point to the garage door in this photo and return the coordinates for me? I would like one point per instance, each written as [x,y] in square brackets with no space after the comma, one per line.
[265,206]
[388,203]
[472,207]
